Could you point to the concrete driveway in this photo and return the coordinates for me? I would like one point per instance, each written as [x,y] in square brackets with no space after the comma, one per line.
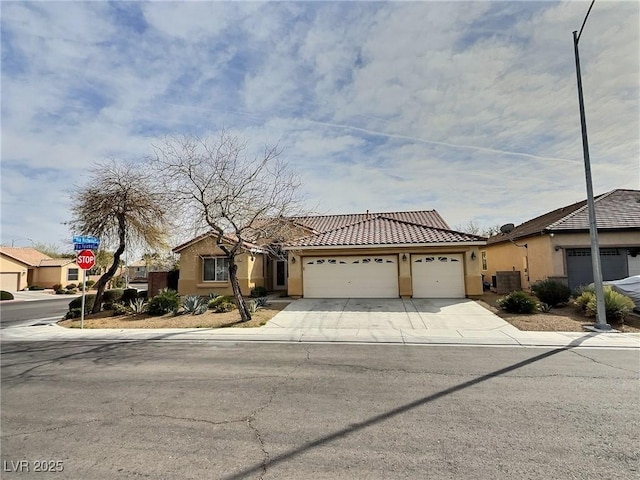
[437,315]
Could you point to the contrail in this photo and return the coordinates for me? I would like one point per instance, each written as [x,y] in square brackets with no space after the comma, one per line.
[453,145]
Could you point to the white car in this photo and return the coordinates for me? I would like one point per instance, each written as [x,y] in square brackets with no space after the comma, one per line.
[630,287]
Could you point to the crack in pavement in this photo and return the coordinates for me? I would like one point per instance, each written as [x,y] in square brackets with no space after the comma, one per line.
[250,419]
[189,419]
[603,363]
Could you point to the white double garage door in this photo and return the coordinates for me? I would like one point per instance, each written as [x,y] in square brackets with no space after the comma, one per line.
[371,276]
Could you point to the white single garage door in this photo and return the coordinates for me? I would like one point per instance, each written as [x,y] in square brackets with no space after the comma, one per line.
[363,276]
[437,276]
[9,281]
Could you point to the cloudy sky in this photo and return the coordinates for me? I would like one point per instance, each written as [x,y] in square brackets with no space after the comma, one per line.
[469,108]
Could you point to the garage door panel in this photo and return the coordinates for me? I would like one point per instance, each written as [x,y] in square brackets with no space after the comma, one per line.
[9,281]
[351,277]
[437,276]
[613,264]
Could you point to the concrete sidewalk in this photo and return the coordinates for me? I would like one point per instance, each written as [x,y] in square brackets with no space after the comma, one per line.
[387,321]
[37,295]
[54,332]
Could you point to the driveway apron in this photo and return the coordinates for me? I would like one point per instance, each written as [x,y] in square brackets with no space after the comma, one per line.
[388,313]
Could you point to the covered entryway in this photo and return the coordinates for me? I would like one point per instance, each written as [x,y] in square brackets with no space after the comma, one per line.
[613,262]
[9,281]
[362,276]
[437,276]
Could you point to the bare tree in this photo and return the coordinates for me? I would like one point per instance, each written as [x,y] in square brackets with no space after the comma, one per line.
[474,229]
[53,250]
[119,205]
[240,198]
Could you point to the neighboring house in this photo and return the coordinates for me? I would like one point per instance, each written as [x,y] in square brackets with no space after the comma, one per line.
[204,268]
[558,245]
[22,267]
[137,271]
[374,255]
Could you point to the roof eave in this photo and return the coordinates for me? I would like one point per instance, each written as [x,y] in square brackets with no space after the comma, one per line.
[386,245]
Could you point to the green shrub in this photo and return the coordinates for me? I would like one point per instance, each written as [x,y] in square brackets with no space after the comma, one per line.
[6,295]
[128,295]
[616,305]
[57,286]
[71,292]
[224,307]
[194,304]
[71,286]
[77,303]
[118,282]
[143,294]
[166,301]
[518,302]
[36,287]
[112,296]
[551,292]
[214,302]
[90,283]
[61,291]
[258,292]
[119,309]
[252,306]
[74,313]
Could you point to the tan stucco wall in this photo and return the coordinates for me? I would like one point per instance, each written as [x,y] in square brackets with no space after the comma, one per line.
[47,277]
[250,271]
[547,253]
[472,276]
[10,265]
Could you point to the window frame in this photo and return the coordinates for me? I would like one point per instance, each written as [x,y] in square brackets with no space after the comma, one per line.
[483,258]
[216,259]
[77,274]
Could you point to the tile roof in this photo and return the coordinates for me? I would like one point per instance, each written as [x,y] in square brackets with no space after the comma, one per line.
[56,262]
[615,210]
[138,263]
[28,256]
[211,234]
[383,231]
[325,223]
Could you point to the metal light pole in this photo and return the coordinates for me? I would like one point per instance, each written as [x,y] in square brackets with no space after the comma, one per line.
[18,239]
[601,317]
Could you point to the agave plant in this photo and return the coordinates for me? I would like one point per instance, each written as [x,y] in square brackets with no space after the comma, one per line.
[195,305]
[138,305]
[261,302]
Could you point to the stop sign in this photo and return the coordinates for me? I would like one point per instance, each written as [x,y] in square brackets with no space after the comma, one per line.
[86,259]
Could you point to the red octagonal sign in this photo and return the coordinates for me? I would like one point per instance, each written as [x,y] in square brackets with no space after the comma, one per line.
[86,259]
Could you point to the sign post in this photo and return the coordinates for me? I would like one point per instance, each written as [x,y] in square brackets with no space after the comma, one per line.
[85,260]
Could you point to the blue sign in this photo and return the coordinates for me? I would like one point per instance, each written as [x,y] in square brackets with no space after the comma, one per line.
[85,246]
[86,239]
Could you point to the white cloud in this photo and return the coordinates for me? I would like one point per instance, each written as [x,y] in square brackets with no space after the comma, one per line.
[469,108]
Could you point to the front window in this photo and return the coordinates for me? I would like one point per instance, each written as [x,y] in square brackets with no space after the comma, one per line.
[216,269]
[72,274]
[484,260]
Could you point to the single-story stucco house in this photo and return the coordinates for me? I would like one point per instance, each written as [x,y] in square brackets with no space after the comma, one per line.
[557,244]
[137,271]
[369,255]
[21,267]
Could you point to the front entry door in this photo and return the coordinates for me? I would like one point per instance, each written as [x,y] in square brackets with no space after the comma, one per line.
[280,275]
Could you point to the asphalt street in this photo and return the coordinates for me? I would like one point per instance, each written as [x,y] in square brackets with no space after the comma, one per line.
[209,410]
[23,313]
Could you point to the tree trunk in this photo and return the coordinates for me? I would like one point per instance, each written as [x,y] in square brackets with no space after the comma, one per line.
[245,315]
[104,279]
